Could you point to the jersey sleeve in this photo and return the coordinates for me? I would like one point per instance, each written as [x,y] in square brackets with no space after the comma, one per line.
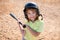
[40,28]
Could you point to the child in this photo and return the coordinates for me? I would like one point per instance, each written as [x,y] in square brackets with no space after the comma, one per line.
[34,26]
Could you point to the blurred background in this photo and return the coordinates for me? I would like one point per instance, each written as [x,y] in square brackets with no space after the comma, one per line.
[50,9]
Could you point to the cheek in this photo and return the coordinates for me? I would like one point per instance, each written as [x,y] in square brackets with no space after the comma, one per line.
[34,15]
[28,16]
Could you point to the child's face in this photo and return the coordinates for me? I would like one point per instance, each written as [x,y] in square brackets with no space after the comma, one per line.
[31,13]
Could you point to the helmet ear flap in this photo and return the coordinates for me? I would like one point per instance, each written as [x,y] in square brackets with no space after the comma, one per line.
[38,12]
[25,14]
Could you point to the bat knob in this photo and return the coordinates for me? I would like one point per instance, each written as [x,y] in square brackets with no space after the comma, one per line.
[24,26]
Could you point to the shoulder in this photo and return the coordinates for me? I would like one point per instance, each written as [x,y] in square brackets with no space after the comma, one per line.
[41,21]
[26,22]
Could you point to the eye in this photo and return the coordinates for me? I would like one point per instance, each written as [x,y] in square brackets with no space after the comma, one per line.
[34,12]
[28,13]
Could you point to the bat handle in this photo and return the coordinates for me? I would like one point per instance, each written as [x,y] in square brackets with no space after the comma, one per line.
[20,23]
[24,26]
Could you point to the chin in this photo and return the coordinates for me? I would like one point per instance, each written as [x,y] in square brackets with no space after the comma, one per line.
[32,20]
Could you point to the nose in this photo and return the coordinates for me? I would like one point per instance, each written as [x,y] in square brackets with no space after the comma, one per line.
[31,13]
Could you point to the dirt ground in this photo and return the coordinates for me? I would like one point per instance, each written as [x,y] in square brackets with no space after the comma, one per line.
[50,9]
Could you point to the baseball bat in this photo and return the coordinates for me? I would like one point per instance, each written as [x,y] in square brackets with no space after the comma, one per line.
[13,16]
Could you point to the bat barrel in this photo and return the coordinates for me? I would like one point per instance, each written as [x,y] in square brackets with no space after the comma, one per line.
[12,15]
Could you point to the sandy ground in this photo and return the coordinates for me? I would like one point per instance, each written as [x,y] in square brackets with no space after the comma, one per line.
[50,9]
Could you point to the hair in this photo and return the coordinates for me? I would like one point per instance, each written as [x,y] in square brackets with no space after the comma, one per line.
[37,12]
